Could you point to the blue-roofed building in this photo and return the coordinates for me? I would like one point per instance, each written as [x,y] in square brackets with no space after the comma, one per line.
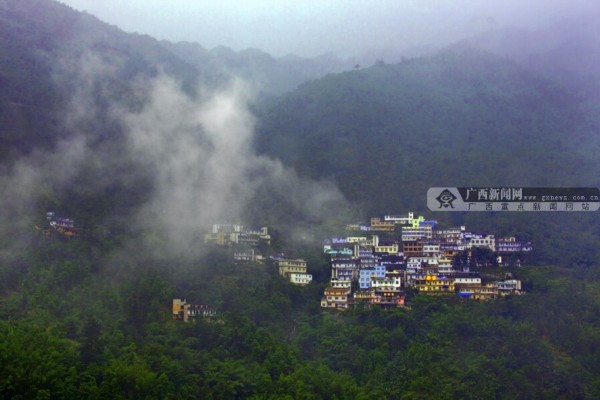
[365,275]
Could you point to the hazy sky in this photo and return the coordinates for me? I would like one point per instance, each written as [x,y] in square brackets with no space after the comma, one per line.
[310,28]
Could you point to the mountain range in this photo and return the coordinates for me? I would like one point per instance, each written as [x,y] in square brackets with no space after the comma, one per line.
[460,116]
[138,146]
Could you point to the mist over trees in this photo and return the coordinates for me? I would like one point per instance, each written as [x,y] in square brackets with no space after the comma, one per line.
[146,143]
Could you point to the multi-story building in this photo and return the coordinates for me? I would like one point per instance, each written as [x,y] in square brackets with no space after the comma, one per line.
[251,237]
[377,224]
[392,262]
[184,311]
[341,283]
[414,233]
[413,265]
[445,266]
[478,292]
[412,277]
[511,245]
[449,250]
[467,280]
[300,279]
[367,275]
[345,268]
[367,261]
[387,298]
[431,249]
[430,269]
[426,260]
[387,248]
[512,286]
[433,284]
[294,271]
[396,274]
[412,248]
[393,283]
[337,298]
[486,241]
[400,219]
[450,235]
[362,296]
[365,251]
[287,267]
[227,234]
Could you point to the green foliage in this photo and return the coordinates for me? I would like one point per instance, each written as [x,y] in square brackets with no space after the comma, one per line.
[94,333]
[462,117]
[83,318]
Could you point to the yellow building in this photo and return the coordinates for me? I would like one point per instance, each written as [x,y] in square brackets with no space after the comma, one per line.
[417,221]
[433,284]
[478,292]
[179,309]
[338,298]
[391,248]
[379,225]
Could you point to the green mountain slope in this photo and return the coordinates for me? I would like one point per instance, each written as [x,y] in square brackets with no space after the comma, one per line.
[90,316]
[460,118]
[49,51]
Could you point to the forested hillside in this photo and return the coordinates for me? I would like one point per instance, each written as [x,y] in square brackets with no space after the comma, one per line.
[144,146]
[462,117]
[49,51]
[74,329]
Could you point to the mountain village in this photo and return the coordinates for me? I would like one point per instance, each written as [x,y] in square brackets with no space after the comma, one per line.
[381,263]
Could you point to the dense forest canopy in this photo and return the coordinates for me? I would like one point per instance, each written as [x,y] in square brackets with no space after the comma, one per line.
[124,134]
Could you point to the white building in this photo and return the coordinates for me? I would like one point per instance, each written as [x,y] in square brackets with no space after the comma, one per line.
[400,219]
[432,250]
[387,283]
[410,234]
[341,283]
[487,241]
[300,279]
[445,266]
[472,280]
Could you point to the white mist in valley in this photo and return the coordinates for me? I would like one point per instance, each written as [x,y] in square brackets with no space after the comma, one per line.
[199,151]
[193,153]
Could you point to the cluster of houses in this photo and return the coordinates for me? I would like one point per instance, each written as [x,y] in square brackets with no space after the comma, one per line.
[245,242]
[397,253]
[229,234]
[246,245]
[58,225]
